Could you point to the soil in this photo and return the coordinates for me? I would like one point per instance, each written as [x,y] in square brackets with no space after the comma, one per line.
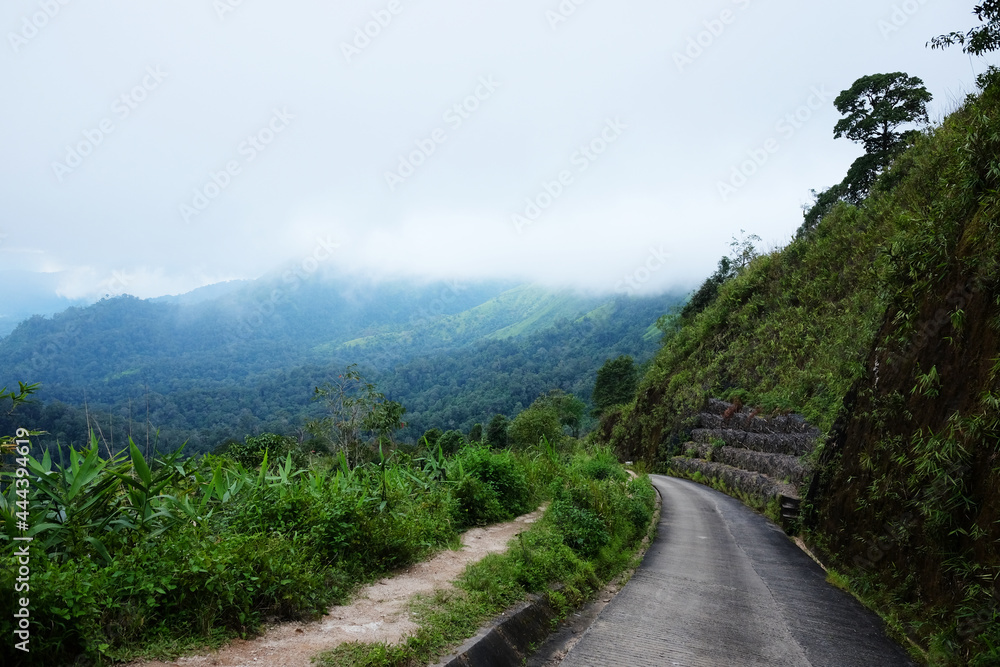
[378,613]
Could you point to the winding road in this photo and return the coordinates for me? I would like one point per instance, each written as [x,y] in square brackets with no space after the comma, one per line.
[723,586]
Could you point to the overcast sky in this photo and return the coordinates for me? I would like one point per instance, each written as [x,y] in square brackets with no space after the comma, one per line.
[153,147]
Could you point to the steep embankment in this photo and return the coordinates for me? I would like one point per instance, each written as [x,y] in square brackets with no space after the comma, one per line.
[882,327]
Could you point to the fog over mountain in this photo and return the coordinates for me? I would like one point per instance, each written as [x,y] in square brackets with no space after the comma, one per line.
[153,148]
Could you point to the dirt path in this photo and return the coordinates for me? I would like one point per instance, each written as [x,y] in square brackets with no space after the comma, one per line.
[377,614]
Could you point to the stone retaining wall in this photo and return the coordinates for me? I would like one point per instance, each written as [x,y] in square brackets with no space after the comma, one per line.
[761,456]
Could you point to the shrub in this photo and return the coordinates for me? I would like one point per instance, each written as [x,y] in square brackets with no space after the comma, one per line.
[531,425]
[603,465]
[496,432]
[250,453]
[477,503]
[501,471]
[451,441]
[583,531]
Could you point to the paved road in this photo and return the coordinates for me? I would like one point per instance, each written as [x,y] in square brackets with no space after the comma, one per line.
[723,586]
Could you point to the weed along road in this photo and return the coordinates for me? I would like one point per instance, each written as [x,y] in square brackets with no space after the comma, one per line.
[724,586]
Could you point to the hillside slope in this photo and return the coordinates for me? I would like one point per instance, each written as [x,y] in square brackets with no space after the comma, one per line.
[882,327]
[208,368]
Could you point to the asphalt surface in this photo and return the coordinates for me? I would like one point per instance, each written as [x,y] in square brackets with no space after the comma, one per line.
[724,586]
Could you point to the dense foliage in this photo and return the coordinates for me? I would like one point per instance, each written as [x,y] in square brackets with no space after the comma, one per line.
[616,383]
[165,373]
[587,536]
[130,556]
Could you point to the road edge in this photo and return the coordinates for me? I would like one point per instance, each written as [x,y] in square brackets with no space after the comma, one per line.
[534,626]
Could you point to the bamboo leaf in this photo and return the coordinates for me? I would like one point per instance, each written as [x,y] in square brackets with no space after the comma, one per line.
[139,465]
[99,548]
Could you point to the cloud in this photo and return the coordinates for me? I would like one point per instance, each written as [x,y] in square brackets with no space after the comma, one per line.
[485,107]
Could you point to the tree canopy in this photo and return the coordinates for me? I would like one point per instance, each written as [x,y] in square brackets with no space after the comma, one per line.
[616,383]
[880,111]
[980,39]
[496,432]
[568,407]
[531,425]
[876,109]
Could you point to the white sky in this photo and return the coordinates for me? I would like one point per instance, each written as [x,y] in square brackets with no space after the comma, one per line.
[337,121]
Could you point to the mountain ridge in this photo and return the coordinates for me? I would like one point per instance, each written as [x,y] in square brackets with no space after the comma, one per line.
[247,358]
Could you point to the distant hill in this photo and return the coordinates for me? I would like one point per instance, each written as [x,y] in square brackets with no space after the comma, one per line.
[32,295]
[241,358]
[207,293]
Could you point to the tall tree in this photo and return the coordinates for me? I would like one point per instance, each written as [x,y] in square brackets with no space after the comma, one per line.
[877,111]
[496,432]
[616,383]
[569,408]
[877,106]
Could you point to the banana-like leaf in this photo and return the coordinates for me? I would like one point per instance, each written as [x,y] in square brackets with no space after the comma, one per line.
[100,549]
[139,465]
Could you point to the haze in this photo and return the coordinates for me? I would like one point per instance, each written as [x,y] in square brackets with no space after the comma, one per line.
[152,148]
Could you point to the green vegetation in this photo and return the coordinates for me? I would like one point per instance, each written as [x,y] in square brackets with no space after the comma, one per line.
[133,557]
[881,324]
[496,433]
[359,420]
[788,333]
[540,421]
[588,535]
[211,372]
[616,383]
[876,108]
[980,39]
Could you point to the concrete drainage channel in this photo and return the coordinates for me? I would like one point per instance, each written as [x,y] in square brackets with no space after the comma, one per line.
[509,639]
[528,633]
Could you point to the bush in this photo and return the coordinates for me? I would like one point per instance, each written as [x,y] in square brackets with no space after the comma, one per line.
[501,471]
[599,506]
[603,465]
[583,531]
[496,432]
[451,441]
[477,503]
[529,427]
[250,453]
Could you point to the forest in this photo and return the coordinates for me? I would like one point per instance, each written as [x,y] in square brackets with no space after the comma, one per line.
[167,372]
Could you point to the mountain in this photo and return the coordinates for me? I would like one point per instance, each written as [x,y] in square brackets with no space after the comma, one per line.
[202,294]
[882,327]
[242,358]
[34,295]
